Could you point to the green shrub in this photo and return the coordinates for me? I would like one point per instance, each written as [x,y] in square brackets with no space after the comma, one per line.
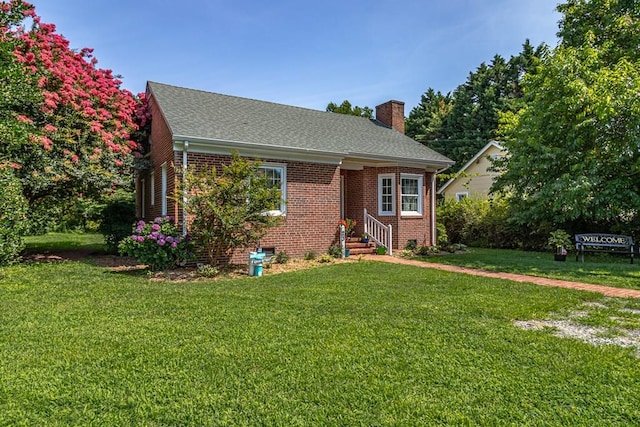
[13,210]
[281,257]
[81,214]
[442,238]
[335,251]
[228,206]
[44,216]
[118,214]
[309,256]
[325,258]
[206,270]
[158,244]
[411,245]
[424,250]
[482,223]
[406,253]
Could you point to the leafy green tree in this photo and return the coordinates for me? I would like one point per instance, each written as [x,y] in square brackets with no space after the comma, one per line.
[229,207]
[346,108]
[117,216]
[612,25]
[575,147]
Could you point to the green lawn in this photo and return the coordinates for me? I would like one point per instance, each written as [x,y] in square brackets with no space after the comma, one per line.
[65,241]
[350,344]
[597,269]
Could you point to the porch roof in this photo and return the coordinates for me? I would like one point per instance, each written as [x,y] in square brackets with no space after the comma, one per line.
[201,116]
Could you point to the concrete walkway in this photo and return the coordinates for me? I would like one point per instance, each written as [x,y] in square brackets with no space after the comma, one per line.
[543,281]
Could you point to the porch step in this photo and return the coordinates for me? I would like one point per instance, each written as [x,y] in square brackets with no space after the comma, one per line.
[362,251]
[356,247]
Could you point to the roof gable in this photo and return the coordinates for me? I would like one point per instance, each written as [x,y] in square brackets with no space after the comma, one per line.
[204,116]
[492,145]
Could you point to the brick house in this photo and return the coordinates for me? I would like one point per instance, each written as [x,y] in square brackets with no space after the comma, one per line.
[329,166]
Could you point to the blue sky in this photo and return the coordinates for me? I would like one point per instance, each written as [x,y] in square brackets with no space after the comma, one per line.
[304,53]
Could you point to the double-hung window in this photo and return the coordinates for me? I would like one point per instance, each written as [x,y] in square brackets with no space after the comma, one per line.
[163,189]
[411,194]
[276,175]
[152,188]
[386,194]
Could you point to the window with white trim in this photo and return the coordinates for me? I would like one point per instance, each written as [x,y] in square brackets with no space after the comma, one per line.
[143,197]
[411,194]
[152,188]
[164,189]
[462,195]
[386,194]
[276,175]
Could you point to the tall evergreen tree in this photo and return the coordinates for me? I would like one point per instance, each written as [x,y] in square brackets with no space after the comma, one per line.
[460,124]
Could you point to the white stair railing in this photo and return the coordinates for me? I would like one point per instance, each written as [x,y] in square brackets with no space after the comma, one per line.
[378,232]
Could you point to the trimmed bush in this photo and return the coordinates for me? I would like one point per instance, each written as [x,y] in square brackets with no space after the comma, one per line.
[118,215]
[13,210]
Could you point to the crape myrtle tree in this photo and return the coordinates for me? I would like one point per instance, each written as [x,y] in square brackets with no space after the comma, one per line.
[65,124]
[575,146]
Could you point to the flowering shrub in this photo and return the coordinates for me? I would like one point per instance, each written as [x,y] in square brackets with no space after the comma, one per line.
[66,123]
[158,244]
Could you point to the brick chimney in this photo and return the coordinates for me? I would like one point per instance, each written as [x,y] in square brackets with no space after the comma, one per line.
[391,113]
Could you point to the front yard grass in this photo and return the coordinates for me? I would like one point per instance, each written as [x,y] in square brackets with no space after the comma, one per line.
[597,269]
[352,344]
[65,241]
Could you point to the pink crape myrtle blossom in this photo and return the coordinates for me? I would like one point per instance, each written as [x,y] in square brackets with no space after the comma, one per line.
[80,108]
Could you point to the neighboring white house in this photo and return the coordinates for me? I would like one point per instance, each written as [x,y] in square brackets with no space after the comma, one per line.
[476,177]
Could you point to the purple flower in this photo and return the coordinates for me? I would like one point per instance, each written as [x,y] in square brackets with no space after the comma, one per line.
[155,227]
[169,218]
[153,235]
[141,223]
[169,239]
[138,229]
[158,220]
[140,239]
[174,245]
[161,242]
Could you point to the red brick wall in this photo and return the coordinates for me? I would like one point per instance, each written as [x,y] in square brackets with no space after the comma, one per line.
[361,191]
[161,152]
[313,206]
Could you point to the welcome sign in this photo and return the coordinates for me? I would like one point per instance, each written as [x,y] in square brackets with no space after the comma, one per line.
[604,240]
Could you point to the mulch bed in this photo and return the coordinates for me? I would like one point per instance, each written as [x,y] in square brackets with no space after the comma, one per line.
[120,264]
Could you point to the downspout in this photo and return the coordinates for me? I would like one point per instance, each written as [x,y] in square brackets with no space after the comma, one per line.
[434,238]
[185,147]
